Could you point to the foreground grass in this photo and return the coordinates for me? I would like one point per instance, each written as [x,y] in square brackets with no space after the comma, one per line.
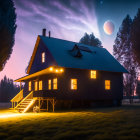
[103,123]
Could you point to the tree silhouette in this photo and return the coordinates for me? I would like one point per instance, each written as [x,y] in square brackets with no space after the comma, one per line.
[122,51]
[91,40]
[135,35]
[8,89]
[7,30]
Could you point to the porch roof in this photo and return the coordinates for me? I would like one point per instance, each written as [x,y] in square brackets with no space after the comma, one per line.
[39,73]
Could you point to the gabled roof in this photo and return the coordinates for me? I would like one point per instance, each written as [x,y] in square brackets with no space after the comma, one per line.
[96,59]
[33,54]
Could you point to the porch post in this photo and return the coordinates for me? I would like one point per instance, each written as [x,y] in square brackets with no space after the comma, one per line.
[47,104]
[53,105]
[20,85]
[39,104]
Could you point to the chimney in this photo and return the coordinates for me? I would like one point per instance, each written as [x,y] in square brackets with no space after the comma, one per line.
[44,32]
[49,34]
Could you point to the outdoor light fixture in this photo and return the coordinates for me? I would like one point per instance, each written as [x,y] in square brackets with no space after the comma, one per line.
[51,68]
[61,70]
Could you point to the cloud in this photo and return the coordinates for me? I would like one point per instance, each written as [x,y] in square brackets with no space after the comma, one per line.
[66,19]
[77,16]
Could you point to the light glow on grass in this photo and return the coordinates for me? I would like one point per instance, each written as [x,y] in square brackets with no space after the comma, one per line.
[80,124]
[11,115]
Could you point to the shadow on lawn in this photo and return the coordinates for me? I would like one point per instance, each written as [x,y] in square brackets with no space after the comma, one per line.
[101,109]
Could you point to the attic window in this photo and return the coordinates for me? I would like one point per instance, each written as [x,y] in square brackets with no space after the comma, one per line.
[43,57]
[76,52]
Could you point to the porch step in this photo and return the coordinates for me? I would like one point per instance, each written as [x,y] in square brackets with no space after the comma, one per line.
[21,108]
[25,105]
[26,101]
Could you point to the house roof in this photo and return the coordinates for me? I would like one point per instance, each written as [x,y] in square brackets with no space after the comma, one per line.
[96,59]
[33,54]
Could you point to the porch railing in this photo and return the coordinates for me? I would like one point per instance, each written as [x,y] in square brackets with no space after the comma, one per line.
[29,96]
[17,98]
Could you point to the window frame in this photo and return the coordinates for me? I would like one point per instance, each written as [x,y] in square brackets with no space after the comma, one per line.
[73,84]
[93,74]
[40,86]
[55,84]
[43,59]
[29,85]
[107,85]
[49,84]
[36,86]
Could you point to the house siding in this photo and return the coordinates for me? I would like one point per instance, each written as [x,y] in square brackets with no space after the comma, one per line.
[37,62]
[87,89]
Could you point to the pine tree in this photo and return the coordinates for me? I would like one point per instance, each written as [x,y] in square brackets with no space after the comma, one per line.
[138,88]
[7,30]
[7,89]
[91,40]
[122,51]
[135,36]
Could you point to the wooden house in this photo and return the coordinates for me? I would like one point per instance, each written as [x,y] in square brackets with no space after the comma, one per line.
[70,74]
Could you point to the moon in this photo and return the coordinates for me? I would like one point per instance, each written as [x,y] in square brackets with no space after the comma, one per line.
[108,27]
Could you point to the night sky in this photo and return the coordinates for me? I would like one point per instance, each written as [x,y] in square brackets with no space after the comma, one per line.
[66,19]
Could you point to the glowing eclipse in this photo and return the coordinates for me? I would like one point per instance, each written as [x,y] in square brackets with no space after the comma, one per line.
[108,27]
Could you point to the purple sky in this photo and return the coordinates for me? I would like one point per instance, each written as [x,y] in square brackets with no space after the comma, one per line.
[66,19]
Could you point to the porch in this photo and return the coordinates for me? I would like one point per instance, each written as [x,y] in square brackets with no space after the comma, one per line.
[23,105]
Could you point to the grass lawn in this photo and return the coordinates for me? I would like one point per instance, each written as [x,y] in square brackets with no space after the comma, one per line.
[102,123]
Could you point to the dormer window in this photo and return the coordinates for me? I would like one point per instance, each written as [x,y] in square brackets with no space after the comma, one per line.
[43,57]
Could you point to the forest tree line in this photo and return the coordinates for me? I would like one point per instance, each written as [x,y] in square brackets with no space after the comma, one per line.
[8,89]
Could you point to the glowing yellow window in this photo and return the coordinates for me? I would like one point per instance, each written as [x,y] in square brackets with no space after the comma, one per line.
[55,83]
[36,85]
[40,85]
[30,86]
[107,84]
[93,74]
[74,84]
[49,84]
[43,57]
